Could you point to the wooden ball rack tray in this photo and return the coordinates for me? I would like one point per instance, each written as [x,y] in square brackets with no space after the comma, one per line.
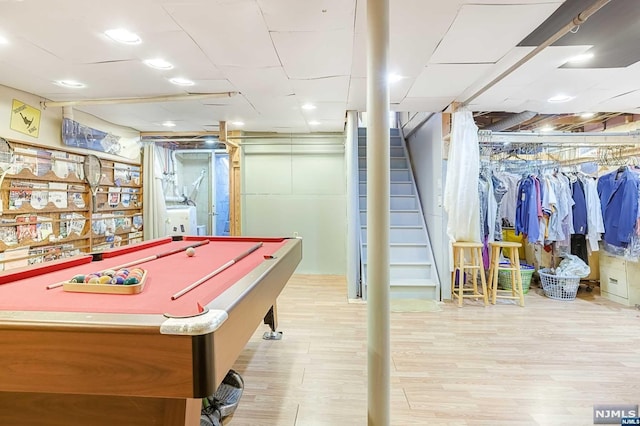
[106,288]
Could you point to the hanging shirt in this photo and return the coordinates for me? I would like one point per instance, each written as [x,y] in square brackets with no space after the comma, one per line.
[510,200]
[618,193]
[499,191]
[595,225]
[527,221]
[580,225]
[567,221]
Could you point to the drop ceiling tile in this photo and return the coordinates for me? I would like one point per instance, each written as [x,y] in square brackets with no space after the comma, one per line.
[230,33]
[424,104]
[498,27]
[182,52]
[295,15]
[622,79]
[26,80]
[327,89]
[326,111]
[314,54]
[627,102]
[77,35]
[544,62]
[398,90]
[278,107]
[357,100]
[446,80]
[259,82]
[421,22]
[123,80]
[359,56]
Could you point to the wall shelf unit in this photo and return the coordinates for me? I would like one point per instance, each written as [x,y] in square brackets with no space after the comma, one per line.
[46,211]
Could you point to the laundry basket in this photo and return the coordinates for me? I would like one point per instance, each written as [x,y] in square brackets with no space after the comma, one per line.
[504,277]
[559,288]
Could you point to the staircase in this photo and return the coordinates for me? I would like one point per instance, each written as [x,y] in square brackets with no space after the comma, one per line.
[411,268]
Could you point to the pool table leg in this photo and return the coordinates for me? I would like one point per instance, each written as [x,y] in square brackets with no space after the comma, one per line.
[271,319]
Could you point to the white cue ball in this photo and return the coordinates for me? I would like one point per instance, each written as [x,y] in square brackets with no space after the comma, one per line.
[191,251]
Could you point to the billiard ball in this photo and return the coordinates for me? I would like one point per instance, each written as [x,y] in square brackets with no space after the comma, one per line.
[191,251]
[117,280]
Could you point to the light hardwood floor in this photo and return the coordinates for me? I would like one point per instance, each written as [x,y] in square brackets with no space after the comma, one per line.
[544,364]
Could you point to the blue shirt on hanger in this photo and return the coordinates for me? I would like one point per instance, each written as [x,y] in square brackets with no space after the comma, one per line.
[618,193]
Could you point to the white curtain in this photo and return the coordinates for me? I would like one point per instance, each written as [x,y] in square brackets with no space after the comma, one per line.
[155,211]
[461,199]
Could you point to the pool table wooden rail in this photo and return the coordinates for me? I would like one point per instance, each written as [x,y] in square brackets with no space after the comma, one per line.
[107,369]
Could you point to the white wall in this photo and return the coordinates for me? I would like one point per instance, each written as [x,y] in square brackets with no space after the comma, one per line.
[425,150]
[291,186]
[51,125]
[50,120]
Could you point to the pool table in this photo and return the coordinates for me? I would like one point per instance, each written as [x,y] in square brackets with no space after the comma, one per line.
[92,359]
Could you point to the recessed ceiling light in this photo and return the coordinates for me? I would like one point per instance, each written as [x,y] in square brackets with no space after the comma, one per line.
[70,83]
[181,81]
[588,115]
[314,123]
[581,58]
[394,77]
[158,63]
[122,35]
[308,106]
[3,40]
[237,123]
[210,140]
[559,99]
[547,129]
[169,124]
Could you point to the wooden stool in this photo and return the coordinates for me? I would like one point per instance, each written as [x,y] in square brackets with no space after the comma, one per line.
[514,266]
[459,266]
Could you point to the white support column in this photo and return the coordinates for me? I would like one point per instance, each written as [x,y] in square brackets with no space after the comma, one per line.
[353,206]
[378,187]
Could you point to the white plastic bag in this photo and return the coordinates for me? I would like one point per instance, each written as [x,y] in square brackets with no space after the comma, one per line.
[572,266]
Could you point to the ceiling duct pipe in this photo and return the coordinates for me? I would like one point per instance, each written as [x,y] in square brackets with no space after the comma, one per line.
[510,122]
[578,20]
[118,101]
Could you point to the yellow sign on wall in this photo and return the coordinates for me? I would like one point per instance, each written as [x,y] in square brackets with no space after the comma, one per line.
[25,119]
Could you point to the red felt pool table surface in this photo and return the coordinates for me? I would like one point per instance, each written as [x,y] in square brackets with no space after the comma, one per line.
[134,359]
[165,277]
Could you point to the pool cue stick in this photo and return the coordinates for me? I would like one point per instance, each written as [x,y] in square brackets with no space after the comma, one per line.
[60,284]
[160,255]
[216,272]
[145,259]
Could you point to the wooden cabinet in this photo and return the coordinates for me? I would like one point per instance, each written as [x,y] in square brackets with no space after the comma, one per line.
[619,279]
[46,210]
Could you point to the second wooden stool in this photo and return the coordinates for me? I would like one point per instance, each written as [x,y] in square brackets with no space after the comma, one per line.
[514,268]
